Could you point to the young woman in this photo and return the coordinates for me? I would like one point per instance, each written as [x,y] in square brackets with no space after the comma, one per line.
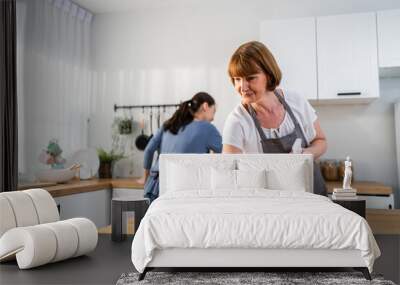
[188,131]
[269,120]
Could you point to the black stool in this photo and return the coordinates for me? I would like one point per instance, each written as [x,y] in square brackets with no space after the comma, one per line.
[121,205]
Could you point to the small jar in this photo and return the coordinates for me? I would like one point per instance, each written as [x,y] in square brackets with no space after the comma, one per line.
[330,170]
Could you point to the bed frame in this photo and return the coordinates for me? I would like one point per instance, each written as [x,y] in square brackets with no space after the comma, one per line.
[245,259]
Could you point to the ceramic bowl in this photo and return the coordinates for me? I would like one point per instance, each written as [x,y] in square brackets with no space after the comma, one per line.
[56,175]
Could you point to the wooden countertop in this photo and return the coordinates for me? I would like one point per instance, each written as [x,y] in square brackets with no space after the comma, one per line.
[129,183]
[363,187]
[80,186]
[386,222]
[381,221]
[76,186]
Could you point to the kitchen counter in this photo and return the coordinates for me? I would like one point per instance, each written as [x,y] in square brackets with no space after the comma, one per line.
[76,186]
[80,186]
[381,221]
[363,187]
[385,222]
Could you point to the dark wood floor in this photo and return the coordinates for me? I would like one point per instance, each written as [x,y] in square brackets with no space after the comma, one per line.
[110,260]
[389,262]
[102,266]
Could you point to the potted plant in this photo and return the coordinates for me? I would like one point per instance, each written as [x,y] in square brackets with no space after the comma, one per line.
[125,126]
[106,162]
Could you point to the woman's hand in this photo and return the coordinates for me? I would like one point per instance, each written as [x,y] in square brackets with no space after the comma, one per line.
[307,151]
[142,180]
[227,148]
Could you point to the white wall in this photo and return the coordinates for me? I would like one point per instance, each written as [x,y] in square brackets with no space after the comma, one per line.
[166,55]
[366,133]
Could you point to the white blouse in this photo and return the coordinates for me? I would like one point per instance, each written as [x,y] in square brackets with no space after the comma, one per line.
[241,132]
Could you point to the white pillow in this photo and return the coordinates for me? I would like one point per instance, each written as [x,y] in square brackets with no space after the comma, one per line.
[293,179]
[183,177]
[223,179]
[251,178]
[227,179]
[281,173]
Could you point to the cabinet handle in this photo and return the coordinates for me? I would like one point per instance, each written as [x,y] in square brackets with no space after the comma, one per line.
[348,93]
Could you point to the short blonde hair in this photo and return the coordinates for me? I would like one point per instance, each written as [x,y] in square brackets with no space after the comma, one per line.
[254,57]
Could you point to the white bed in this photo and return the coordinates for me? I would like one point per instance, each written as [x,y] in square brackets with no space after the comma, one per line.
[247,211]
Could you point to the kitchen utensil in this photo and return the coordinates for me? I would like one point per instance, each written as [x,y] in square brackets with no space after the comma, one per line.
[142,139]
[74,166]
[151,124]
[158,118]
[87,160]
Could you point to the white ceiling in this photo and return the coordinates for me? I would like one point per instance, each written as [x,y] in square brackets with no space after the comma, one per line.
[111,6]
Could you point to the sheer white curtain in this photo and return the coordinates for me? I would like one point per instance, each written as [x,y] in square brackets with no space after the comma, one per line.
[54,77]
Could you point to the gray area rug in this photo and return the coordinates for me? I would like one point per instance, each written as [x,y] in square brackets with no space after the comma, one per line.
[228,278]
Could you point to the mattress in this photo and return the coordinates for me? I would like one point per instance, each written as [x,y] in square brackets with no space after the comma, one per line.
[250,219]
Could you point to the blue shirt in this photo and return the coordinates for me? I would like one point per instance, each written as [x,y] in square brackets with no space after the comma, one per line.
[195,137]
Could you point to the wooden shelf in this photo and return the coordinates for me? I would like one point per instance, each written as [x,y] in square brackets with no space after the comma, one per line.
[104,230]
[77,186]
[107,231]
[363,187]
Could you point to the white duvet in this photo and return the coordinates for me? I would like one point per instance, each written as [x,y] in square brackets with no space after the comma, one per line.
[250,219]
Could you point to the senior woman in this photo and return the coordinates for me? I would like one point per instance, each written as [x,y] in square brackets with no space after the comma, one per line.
[269,120]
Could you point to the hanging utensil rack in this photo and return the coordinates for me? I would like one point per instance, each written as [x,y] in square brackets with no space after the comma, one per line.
[116,107]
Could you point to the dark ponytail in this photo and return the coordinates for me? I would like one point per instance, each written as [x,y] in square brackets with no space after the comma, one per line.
[185,113]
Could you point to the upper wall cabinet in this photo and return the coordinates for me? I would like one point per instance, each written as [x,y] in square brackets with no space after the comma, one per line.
[389,38]
[292,43]
[347,58]
[332,59]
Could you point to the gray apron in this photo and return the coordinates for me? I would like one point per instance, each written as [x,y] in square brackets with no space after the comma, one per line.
[285,143]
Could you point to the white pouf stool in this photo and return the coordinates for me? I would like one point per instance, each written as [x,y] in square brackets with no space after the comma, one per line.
[31,232]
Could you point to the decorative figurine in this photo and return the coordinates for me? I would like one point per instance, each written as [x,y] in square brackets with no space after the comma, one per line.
[52,155]
[347,174]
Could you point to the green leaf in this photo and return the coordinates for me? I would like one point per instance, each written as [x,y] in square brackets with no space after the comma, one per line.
[108,157]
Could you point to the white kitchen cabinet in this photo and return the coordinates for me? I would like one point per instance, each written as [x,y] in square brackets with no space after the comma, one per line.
[95,205]
[389,39]
[292,42]
[347,58]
